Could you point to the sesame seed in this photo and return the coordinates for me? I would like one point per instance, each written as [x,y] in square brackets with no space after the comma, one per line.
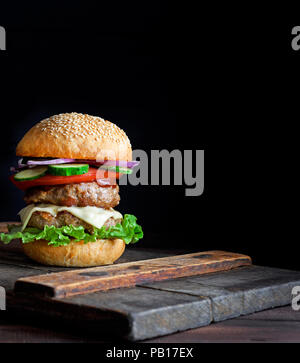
[75,125]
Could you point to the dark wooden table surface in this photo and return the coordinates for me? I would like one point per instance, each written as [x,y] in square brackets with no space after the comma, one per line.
[275,325]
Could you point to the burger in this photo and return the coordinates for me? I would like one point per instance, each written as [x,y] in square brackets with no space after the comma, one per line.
[69,167]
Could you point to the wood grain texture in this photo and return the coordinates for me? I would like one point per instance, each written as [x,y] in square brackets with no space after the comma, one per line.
[76,282]
[164,307]
[250,329]
[239,291]
[273,325]
[128,313]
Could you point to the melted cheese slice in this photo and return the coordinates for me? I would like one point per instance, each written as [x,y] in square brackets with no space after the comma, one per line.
[91,215]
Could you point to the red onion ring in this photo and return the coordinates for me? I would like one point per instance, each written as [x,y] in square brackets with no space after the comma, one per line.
[33,163]
[50,162]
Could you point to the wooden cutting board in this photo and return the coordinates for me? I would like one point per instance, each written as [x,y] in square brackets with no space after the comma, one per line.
[146,294]
[103,278]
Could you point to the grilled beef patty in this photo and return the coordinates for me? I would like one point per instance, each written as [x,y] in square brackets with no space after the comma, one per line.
[40,219]
[79,195]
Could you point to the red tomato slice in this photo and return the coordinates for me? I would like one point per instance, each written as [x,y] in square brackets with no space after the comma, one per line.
[104,178]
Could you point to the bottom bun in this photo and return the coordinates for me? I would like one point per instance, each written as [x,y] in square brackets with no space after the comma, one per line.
[76,254]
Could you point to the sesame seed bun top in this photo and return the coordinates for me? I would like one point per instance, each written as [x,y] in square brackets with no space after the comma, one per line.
[77,136]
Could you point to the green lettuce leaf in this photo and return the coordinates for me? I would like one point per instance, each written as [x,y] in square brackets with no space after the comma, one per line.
[129,231]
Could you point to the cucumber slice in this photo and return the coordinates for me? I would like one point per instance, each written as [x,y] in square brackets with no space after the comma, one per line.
[31,174]
[117,169]
[68,169]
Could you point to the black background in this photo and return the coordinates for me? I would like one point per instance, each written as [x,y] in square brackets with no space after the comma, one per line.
[173,76]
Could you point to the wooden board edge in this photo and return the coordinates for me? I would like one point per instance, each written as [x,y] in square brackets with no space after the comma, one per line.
[29,285]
